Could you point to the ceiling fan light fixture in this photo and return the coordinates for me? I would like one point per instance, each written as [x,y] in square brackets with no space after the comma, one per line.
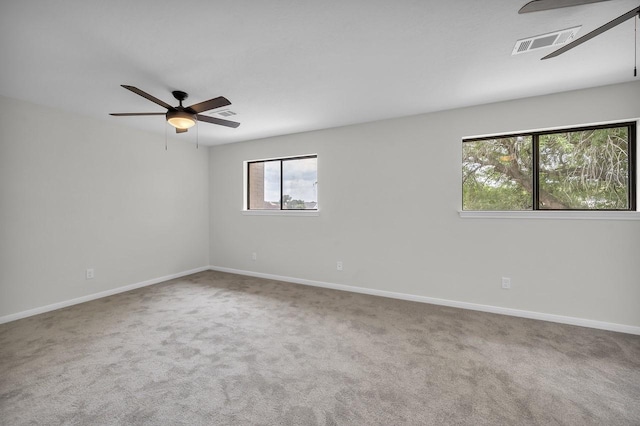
[181,119]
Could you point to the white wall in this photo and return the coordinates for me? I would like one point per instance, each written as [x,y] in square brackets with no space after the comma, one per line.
[78,193]
[389,195]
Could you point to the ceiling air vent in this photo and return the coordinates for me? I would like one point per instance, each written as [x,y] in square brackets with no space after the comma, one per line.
[556,38]
[223,113]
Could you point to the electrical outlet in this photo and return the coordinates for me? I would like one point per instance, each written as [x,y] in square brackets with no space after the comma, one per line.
[254,256]
[89,274]
[339,265]
[506,282]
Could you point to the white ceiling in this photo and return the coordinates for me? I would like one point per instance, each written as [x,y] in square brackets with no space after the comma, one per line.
[295,65]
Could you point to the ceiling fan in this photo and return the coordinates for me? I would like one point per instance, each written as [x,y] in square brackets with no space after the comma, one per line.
[539,5]
[181,117]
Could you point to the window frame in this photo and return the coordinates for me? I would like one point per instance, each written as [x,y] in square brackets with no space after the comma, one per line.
[247,185]
[632,189]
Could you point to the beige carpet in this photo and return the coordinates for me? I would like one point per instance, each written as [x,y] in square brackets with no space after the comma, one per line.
[218,349]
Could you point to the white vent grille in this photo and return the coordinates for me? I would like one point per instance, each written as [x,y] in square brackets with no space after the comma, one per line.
[222,113]
[556,38]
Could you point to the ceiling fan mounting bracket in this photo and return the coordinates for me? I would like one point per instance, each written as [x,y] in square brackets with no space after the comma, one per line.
[180,95]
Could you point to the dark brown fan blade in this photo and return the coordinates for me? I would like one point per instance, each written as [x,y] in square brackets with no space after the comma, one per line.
[619,20]
[181,130]
[127,114]
[148,96]
[217,121]
[214,103]
[539,5]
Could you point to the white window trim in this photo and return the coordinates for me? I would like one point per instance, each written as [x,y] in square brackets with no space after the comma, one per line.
[299,213]
[556,214]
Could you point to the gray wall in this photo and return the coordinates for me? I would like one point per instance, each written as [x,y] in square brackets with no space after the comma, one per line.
[100,195]
[78,193]
[389,197]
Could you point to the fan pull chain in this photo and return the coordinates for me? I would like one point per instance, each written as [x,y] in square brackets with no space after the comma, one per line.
[635,45]
[197,135]
[165,136]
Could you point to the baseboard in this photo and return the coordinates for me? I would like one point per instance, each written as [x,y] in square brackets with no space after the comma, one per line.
[64,304]
[622,328]
[582,322]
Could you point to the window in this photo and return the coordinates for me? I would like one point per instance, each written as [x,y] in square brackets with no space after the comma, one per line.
[283,184]
[589,168]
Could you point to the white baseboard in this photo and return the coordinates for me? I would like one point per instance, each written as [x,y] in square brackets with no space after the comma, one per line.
[622,328]
[82,299]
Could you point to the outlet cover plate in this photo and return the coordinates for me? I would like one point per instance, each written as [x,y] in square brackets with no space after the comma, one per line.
[506,282]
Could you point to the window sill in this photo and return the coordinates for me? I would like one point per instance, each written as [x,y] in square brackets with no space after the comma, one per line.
[301,213]
[539,214]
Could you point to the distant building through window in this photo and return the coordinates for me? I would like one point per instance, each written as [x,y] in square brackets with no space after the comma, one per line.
[283,184]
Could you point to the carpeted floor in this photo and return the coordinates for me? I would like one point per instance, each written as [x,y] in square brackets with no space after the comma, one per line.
[222,349]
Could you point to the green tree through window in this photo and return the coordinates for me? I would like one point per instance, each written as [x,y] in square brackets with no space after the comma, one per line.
[577,169]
